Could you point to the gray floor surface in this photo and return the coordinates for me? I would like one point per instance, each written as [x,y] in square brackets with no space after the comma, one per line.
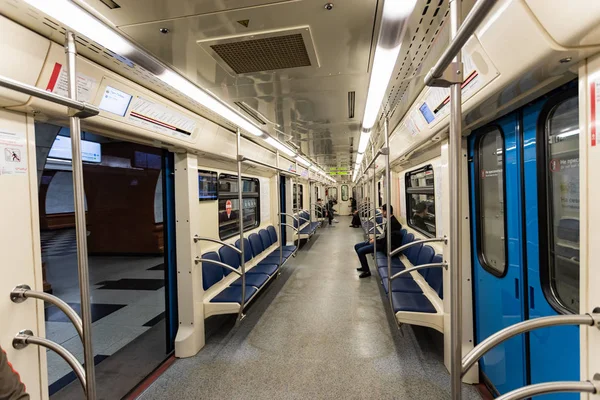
[317,332]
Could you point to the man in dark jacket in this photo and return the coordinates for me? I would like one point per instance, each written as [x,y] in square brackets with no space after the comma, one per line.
[364,248]
[11,387]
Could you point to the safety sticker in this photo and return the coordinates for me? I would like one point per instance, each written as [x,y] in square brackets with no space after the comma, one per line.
[595,102]
[59,84]
[13,153]
[228,208]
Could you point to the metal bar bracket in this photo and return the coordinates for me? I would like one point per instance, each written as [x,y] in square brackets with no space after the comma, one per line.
[452,74]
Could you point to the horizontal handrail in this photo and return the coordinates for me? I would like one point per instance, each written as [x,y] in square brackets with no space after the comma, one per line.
[285,171]
[199,260]
[22,292]
[416,242]
[466,29]
[207,239]
[379,152]
[418,267]
[291,226]
[26,337]
[85,109]
[550,387]
[289,215]
[525,326]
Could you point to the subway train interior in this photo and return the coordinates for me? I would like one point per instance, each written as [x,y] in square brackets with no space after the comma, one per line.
[299,199]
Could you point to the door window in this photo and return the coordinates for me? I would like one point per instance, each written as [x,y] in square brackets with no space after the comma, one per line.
[420,200]
[491,207]
[562,197]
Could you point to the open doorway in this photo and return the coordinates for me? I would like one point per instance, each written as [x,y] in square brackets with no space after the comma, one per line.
[126,205]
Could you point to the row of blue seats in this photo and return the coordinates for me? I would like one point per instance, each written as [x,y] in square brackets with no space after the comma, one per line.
[407,295]
[304,225]
[256,276]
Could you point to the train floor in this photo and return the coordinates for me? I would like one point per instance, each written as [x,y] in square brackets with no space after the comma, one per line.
[317,332]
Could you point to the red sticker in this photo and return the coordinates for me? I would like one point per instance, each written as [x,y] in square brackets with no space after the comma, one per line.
[54,77]
[554,165]
[483,174]
[228,208]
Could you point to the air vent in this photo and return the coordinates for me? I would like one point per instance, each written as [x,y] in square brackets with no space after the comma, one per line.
[110,4]
[265,54]
[267,51]
[351,103]
[255,115]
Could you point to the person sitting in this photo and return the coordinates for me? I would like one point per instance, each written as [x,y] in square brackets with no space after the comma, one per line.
[11,387]
[418,219]
[368,247]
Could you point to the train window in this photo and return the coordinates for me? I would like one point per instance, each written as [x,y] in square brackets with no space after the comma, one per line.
[420,200]
[562,209]
[490,189]
[331,193]
[300,197]
[229,205]
[344,192]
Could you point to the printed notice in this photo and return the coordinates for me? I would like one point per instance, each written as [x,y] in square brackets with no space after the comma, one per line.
[59,84]
[159,118]
[13,153]
[595,102]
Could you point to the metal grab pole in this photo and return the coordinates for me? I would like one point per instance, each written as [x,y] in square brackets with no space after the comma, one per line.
[525,326]
[241,224]
[455,221]
[298,208]
[388,199]
[277,191]
[80,224]
[22,292]
[374,208]
[26,337]
[550,387]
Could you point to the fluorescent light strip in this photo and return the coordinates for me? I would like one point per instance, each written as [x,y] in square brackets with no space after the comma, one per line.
[395,13]
[303,161]
[280,146]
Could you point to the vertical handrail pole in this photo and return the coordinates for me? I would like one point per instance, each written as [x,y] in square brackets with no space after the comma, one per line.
[80,223]
[241,222]
[388,199]
[310,207]
[298,208]
[455,149]
[374,208]
[279,209]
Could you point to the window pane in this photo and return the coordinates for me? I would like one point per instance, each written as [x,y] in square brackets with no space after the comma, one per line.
[562,129]
[422,213]
[491,201]
[344,192]
[299,197]
[229,225]
[331,193]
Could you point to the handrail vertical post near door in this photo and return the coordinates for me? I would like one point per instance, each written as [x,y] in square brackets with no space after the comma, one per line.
[374,206]
[455,149]
[388,200]
[298,207]
[80,223]
[241,223]
[277,190]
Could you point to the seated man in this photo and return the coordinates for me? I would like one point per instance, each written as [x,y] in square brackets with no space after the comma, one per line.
[364,248]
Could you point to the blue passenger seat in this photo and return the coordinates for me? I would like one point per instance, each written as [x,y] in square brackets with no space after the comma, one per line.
[273,234]
[211,273]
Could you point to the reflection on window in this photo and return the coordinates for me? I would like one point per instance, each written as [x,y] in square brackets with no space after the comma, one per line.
[229,208]
[344,192]
[298,196]
[420,200]
[492,246]
[562,182]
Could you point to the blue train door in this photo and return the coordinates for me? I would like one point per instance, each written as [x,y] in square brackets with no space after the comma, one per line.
[497,244]
[524,179]
[551,177]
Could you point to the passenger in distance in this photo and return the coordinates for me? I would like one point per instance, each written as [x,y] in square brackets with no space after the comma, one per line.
[418,218]
[368,247]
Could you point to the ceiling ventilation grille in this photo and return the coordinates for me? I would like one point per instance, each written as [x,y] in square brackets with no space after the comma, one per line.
[264,54]
[351,104]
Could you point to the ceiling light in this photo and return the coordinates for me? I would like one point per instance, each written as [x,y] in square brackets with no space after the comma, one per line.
[393,27]
[365,135]
[85,24]
[359,158]
[303,161]
[280,146]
